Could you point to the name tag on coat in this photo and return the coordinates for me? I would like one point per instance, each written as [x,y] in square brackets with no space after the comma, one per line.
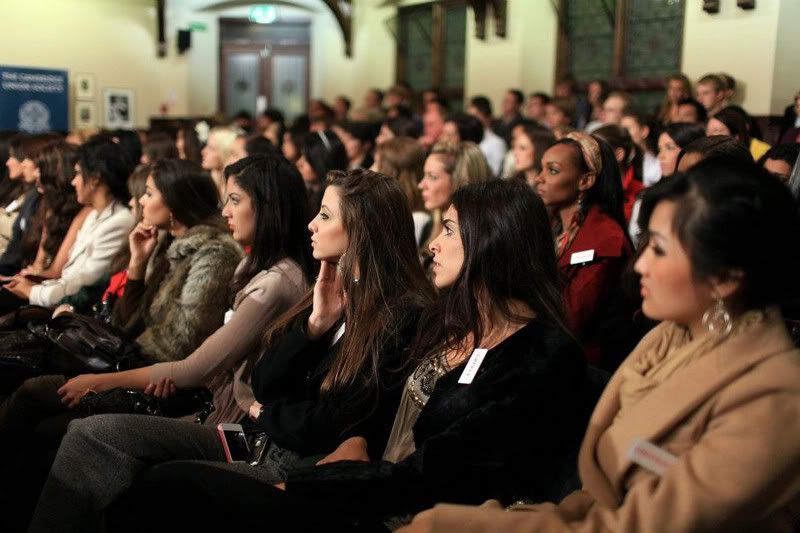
[651,457]
[474,363]
[578,258]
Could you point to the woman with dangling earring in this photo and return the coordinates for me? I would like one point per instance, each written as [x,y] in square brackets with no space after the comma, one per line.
[580,185]
[698,430]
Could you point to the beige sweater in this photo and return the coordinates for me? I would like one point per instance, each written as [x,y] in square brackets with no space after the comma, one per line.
[224,361]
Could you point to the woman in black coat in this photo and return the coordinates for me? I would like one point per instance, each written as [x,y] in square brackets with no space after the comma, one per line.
[496,407]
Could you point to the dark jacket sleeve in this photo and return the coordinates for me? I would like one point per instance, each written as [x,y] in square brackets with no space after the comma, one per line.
[128,305]
[520,443]
[292,417]
[11,260]
[299,419]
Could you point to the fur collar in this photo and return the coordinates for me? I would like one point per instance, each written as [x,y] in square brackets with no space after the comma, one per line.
[193,240]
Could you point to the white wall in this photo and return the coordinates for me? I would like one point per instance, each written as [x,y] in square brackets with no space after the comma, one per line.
[114,40]
[786,78]
[739,42]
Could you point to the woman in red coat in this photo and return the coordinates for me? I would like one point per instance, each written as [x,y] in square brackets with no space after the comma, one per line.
[580,184]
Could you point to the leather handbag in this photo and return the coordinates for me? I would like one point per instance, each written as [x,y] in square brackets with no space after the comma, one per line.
[88,345]
[116,401]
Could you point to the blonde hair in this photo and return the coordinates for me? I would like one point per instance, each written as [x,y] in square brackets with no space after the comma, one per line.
[466,165]
[225,136]
[403,158]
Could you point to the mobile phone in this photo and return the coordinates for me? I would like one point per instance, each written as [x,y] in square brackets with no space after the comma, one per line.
[234,443]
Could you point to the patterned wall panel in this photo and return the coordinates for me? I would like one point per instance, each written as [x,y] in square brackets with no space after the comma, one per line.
[654,38]
[590,27]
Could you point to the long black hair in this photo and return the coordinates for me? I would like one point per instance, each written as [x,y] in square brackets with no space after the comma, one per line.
[278,197]
[606,193]
[190,193]
[734,218]
[324,152]
[103,159]
[619,138]
[508,256]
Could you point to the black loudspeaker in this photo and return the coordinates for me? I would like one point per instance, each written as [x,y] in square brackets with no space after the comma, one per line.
[184,40]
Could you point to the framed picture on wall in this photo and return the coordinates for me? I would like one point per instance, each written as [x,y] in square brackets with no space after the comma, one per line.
[84,86]
[85,115]
[118,107]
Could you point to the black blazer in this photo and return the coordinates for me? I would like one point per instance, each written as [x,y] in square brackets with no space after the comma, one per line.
[512,434]
[287,380]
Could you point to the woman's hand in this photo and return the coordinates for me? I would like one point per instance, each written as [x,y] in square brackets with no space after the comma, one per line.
[29,270]
[328,303]
[142,241]
[164,388]
[63,308]
[422,523]
[20,287]
[353,449]
[254,411]
[76,388]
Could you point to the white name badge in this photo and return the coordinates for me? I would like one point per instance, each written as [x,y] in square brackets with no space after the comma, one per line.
[228,316]
[12,206]
[581,257]
[473,365]
[651,457]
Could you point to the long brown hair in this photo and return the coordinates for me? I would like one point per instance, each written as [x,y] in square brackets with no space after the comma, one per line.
[403,158]
[56,163]
[391,283]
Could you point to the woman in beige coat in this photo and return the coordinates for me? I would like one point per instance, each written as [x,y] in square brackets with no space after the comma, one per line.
[699,429]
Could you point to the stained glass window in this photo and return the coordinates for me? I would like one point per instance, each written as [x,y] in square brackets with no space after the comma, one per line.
[654,38]
[590,27]
[651,32]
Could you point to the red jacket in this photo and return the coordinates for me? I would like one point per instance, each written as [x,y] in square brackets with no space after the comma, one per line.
[630,188]
[592,284]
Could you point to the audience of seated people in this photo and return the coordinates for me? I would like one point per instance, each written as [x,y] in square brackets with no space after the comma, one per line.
[474,291]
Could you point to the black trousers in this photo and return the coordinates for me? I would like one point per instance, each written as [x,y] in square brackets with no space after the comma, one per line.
[32,423]
[9,301]
[186,495]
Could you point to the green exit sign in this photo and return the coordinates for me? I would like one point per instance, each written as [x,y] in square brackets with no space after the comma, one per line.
[198,26]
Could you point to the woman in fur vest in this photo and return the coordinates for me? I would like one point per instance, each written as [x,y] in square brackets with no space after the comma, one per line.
[175,297]
[495,408]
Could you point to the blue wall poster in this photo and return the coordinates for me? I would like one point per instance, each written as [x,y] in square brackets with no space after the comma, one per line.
[33,99]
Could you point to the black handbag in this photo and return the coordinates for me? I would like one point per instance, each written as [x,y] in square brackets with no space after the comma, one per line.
[124,401]
[87,345]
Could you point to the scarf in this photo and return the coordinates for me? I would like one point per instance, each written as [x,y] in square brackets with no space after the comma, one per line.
[674,350]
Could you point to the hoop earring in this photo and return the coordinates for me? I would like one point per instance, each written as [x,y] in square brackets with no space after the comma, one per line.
[717,319]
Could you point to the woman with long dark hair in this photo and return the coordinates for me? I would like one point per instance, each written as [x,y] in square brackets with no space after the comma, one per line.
[332,366]
[580,185]
[499,394]
[630,159]
[99,179]
[265,210]
[677,440]
[64,215]
[26,231]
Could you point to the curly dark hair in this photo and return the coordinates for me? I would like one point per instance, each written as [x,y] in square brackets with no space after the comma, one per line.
[56,164]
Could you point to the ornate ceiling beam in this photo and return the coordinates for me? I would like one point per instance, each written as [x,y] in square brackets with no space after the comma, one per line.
[343,11]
